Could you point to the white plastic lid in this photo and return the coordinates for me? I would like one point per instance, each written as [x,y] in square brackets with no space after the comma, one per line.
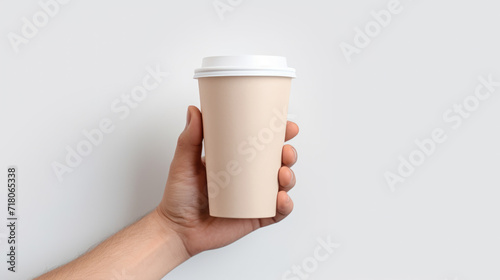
[244,65]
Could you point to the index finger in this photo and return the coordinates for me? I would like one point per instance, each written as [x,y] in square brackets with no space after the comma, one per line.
[292,129]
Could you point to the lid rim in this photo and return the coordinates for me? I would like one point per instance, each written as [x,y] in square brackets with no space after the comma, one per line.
[250,72]
[244,65]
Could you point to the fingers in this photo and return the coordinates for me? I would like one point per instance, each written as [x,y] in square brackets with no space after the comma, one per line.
[292,129]
[286,178]
[288,155]
[283,208]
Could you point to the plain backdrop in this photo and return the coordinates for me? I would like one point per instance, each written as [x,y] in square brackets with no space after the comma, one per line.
[356,119]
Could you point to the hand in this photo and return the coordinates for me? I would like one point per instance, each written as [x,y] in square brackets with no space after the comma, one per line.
[184,207]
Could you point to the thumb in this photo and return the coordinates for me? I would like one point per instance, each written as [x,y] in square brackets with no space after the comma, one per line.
[189,144]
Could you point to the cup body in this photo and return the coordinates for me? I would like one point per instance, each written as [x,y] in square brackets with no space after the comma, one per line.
[244,123]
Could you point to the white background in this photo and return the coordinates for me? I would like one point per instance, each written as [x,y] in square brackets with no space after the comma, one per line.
[355,120]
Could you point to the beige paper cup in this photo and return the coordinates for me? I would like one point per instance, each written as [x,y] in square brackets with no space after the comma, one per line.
[244,105]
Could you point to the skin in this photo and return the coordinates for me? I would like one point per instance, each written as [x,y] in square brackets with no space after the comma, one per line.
[180,226]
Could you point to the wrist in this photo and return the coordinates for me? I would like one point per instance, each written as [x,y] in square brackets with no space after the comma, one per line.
[173,249]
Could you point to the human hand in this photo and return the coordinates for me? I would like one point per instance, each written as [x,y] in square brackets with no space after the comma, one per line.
[184,207]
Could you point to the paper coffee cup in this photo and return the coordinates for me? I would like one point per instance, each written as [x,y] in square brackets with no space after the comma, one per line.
[244,106]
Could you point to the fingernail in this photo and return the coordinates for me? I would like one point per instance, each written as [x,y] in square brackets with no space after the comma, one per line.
[293,176]
[188,118]
[287,198]
[295,152]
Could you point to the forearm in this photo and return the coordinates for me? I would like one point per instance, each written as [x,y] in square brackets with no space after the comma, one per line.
[145,250]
